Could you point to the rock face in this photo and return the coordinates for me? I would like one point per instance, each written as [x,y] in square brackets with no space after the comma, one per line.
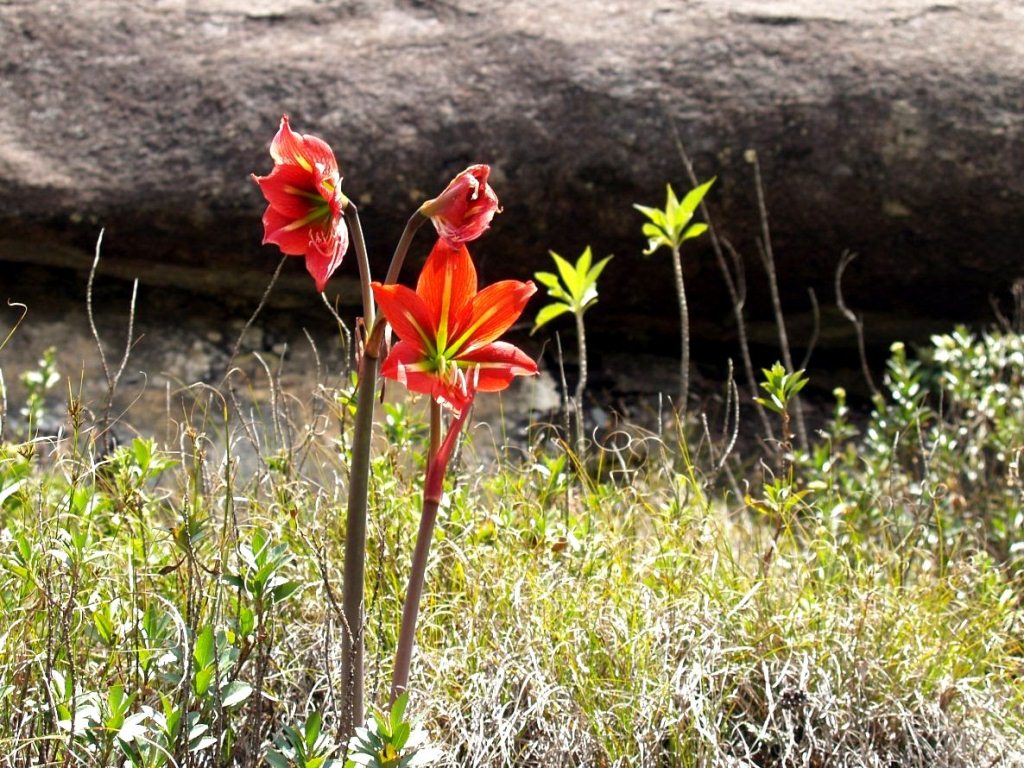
[891,127]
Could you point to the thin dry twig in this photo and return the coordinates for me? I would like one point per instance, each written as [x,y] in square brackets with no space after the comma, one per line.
[768,260]
[812,342]
[346,334]
[112,379]
[3,385]
[845,260]
[256,312]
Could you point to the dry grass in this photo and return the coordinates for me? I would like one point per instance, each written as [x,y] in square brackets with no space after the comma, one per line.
[639,617]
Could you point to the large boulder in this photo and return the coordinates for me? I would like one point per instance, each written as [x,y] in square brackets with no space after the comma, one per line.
[894,128]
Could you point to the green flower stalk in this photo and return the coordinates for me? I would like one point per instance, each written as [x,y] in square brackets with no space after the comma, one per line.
[307,215]
[449,350]
[670,227]
[573,289]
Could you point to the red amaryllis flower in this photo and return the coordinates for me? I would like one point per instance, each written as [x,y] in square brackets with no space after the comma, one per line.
[464,210]
[449,330]
[305,212]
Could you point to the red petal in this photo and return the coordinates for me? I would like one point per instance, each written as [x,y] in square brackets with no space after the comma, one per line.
[447,285]
[291,190]
[407,313]
[306,151]
[293,242]
[287,144]
[325,252]
[492,368]
[491,313]
[398,367]
[320,155]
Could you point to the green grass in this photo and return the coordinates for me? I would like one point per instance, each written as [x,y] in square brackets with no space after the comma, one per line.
[162,606]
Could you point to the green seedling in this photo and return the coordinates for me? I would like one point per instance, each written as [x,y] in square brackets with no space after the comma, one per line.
[670,227]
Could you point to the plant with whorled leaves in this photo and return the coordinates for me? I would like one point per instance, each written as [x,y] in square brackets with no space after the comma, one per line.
[573,289]
[670,227]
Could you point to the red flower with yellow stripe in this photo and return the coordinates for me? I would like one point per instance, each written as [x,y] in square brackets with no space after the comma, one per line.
[449,330]
[305,212]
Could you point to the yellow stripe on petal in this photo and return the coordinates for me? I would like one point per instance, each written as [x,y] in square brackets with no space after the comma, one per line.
[424,336]
[309,218]
[487,315]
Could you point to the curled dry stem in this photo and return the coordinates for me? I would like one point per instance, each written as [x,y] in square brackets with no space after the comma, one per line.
[815,328]
[845,260]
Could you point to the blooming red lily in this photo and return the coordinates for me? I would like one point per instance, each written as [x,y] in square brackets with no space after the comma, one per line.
[464,210]
[306,206]
[449,330]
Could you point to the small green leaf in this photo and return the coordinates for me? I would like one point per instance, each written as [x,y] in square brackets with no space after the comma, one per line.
[671,204]
[569,276]
[246,621]
[201,744]
[695,196]
[204,677]
[232,580]
[398,712]
[769,404]
[283,591]
[312,728]
[401,735]
[596,270]
[133,729]
[655,233]
[550,281]
[549,313]
[383,724]
[235,693]
[656,215]
[695,230]
[104,626]
[204,649]
[583,263]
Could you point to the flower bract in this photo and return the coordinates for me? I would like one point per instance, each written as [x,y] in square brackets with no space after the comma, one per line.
[305,211]
[449,330]
[464,210]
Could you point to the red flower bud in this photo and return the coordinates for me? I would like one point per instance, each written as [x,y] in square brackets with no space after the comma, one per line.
[464,210]
[305,215]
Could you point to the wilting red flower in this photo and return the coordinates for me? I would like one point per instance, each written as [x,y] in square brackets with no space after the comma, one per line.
[464,210]
[449,330]
[305,212]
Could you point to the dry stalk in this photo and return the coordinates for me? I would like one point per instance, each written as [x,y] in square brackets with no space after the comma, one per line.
[112,379]
[858,325]
[768,260]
